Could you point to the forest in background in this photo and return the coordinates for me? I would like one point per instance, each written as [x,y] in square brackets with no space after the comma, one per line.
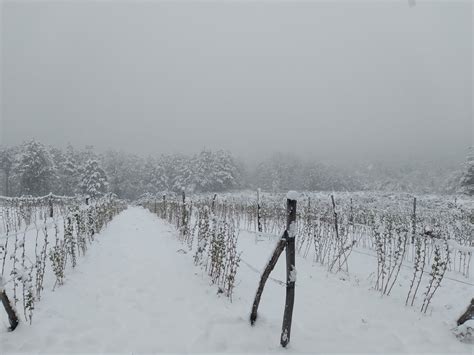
[33,168]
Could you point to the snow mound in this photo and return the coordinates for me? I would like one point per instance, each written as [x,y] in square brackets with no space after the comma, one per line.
[465,332]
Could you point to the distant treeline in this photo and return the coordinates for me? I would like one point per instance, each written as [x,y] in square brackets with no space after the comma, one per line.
[36,169]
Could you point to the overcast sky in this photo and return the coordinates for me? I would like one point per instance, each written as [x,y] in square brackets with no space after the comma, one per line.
[353,80]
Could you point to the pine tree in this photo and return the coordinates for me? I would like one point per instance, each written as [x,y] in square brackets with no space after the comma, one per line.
[93,179]
[202,171]
[35,169]
[149,179]
[226,172]
[467,179]
[6,164]
[69,172]
[181,168]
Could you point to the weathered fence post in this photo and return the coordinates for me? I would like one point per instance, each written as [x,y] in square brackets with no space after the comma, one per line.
[51,208]
[336,228]
[287,240]
[259,217]
[183,210]
[12,317]
[290,269]
[213,205]
[413,231]
[164,207]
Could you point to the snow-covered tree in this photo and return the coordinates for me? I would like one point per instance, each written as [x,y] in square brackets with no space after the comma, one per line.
[467,179]
[202,177]
[6,164]
[93,180]
[226,174]
[181,172]
[161,177]
[35,169]
[69,172]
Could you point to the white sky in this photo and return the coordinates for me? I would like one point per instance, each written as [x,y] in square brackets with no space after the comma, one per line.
[351,79]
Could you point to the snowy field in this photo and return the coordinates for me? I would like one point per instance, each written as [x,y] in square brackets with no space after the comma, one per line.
[136,291]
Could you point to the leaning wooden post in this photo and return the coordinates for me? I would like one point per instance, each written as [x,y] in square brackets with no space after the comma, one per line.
[468,314]
[268,269]
[287,240]
[12,317]
[290,268]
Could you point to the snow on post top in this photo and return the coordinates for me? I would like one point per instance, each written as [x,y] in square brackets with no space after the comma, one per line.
[292,195]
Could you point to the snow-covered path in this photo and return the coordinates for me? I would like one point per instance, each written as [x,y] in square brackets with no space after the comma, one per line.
[134,292]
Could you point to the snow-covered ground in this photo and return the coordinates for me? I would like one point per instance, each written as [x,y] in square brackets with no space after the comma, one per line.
[135,291]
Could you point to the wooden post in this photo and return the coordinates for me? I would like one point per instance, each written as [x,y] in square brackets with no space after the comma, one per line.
[12,317]
[413,232]
[164,207]
[336,224]
[288,241]
[51,208]
[351,218]
[183,210]
[290,271]
[259,217]
[268,269]
[213,205]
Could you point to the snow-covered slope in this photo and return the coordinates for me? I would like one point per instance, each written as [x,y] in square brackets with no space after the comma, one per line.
[135,292]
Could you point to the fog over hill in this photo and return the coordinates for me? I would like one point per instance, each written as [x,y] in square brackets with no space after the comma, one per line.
[327,81]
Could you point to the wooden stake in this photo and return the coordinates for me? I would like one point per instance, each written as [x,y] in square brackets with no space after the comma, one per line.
[51,208]
[268,269]
[413,232]
[183,210]
[12,317]
[288,241]
[259,218]
[213,205]
[290,272]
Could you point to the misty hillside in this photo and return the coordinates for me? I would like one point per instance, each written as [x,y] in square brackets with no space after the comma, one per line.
[35,169]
